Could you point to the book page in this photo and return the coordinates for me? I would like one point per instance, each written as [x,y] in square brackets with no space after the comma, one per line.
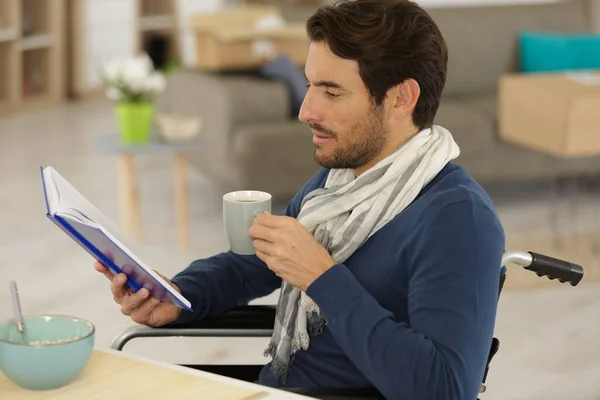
[69,197]
[77,216]
[51,194]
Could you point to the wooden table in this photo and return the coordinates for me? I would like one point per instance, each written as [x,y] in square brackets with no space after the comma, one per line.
[129,199]
[114,375]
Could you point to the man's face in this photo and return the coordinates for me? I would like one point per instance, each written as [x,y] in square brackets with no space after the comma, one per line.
[348,129]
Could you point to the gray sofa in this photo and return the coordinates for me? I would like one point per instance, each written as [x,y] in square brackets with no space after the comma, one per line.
[252,141]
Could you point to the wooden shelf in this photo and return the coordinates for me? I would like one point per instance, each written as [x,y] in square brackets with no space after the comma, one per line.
[35,42]
[9,20]
[157,22]
[5,95]
[9,14]
[35,74]
[31,54]
[35,17]
[5,7]
[157,7]
[8,34]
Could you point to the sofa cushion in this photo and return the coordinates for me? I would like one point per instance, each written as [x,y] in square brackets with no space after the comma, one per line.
[483,41]
[237,98]
[472,130]
[275,157]
[284,70]
[255,99]
[550,52]
[486,105]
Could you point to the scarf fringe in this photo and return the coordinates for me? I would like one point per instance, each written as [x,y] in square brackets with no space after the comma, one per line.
[307,304]
[316,323]
[271,350]
[279,368]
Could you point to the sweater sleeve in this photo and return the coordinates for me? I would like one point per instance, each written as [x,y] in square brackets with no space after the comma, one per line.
[222,282]
[227,280]
[454,272]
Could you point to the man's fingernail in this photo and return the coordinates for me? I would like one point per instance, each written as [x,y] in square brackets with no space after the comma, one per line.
[145,293]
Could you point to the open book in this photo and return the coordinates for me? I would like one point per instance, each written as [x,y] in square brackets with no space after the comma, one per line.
[95,233]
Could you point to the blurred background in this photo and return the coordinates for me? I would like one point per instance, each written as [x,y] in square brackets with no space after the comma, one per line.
[153,109]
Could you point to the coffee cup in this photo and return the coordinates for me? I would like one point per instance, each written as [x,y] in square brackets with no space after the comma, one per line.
[239,210]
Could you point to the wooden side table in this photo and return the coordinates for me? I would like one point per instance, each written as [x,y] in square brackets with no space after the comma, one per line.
[129,199]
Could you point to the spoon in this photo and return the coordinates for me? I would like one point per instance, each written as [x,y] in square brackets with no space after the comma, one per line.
[17,308]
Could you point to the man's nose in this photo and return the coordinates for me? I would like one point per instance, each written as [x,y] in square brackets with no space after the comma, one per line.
[306,113]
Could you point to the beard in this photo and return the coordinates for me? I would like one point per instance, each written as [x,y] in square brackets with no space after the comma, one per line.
[363,142]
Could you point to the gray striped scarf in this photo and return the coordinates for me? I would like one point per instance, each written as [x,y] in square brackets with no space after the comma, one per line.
[343,215]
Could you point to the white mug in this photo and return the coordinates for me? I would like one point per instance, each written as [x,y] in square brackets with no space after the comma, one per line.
[239,210]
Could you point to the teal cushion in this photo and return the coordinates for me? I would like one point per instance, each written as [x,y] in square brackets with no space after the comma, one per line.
[551,52]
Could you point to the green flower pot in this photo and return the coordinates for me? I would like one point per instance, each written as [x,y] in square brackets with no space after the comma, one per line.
[135,121]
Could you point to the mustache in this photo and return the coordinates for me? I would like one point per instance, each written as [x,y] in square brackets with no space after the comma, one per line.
[321,129]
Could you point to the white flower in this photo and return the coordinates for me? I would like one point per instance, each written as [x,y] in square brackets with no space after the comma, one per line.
[136,84]
[145,63]
[156,83]
[134,73]
[132,78]
[112,70]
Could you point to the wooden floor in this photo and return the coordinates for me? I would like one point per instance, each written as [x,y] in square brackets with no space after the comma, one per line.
[549,332]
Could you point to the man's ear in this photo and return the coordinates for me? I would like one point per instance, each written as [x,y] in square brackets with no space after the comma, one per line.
[405,97]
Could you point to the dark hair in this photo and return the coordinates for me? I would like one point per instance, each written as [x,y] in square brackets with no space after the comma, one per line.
[392,41]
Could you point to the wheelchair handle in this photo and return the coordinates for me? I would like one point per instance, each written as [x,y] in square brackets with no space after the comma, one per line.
[542,265]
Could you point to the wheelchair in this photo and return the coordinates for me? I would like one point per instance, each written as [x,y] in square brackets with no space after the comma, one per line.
[258,321]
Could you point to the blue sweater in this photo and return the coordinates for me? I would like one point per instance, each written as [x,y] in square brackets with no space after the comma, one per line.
[411,312]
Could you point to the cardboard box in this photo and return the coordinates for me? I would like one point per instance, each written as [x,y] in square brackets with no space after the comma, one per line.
[558,114]
[246,38]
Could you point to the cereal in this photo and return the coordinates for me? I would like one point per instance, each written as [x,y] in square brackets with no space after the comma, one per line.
[52,342]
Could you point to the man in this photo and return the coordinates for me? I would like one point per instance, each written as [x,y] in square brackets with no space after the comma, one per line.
[389,258]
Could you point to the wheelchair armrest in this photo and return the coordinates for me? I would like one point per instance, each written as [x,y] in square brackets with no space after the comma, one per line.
[248,321]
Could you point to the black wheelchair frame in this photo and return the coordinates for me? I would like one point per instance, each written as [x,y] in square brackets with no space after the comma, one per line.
[258,321]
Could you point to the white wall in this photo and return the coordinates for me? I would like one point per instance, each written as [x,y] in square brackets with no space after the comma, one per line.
[108,33]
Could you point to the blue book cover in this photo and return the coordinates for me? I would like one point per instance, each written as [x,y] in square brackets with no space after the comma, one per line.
[96,234]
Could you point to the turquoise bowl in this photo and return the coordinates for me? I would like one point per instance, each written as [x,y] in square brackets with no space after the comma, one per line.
[55,350]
